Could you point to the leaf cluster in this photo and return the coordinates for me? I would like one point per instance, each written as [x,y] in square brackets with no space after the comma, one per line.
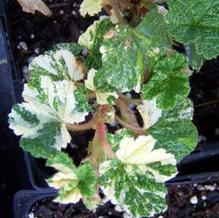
[70,91]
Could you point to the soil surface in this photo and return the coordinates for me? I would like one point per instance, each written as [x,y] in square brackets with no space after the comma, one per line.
[47,208]
[188,200]
[31,35]
[193,200]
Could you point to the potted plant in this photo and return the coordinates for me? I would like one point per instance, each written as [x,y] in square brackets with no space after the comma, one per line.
[123,80]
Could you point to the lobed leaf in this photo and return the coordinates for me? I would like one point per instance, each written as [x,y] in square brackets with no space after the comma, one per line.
[196,22]
[136,179]
[175,131]
[154,27]
[168,83]
[41,119]
[58,65]
[91,7]
[139,194]
[73,183]
[43,135]
[124,50]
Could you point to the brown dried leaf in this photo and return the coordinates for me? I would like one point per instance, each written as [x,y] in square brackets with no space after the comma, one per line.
[30,6]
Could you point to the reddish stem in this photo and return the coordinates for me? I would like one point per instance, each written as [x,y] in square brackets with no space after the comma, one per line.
[102,138]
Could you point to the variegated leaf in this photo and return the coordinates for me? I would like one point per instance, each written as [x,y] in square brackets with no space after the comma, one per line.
[58,65]
[91,7]
[73,183]
[102,97]
[136,179]
[41,120]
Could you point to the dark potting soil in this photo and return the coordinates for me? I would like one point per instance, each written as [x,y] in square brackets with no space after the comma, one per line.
[193,200]
[46,208]
[32,35]
[188,200]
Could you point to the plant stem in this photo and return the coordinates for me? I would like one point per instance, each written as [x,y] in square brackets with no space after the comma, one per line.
[82,127]
[102,137]
[57,5]
[130,100]
[115,7]
[138,131]
[207,103]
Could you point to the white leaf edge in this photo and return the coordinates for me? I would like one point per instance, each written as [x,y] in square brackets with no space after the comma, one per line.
[45,61]
[91,7]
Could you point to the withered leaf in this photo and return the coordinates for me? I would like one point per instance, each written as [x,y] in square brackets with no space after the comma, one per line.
[30,6]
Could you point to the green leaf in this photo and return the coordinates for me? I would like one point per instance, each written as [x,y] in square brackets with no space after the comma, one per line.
[61,160]
[73,183]
[182,110]
[176,136]
[74,48]
[136,179]
[59,65]
[87,179]
[102,98]
[196,22]
[93,39]
[154,27]
[81,99]
[42,135]
[41,120]
[195,60]
[141,194]
[45,142]
[114,139]
[168,83]
[124,50]
[175,131]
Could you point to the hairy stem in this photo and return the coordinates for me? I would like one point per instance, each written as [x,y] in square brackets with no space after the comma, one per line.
[115,7]
[82,127]
[130,100]
[207,103]
[136,130]
[102,136]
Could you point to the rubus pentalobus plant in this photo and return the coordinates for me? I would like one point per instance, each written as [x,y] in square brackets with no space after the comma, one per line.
[124,73]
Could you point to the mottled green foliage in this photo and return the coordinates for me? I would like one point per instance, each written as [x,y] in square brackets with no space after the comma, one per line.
[196,22]
[82,103]
[178,137]
[87,179]
[175,131]
[195,60]
[168,170]
[139,193]
[114,139]
[72,47]
[124,50]
[169,82]
[73,183]
[61,158]
[93,60]
[26,115]
[42,145]
[154,27]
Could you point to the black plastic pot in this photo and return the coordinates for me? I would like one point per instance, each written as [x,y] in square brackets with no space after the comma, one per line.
[202,159]
[193,178]
[14,173]
[24,199]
